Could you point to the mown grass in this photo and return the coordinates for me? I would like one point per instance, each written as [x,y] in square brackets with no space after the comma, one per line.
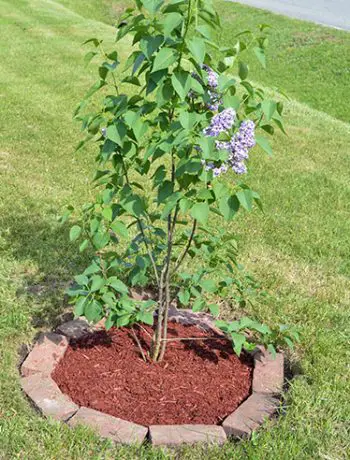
[306,61]
[299,249]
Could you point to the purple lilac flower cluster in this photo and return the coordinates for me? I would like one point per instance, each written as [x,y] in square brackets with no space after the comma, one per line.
[212,82]
[220,123]
[239,146]
[214,102]
[217,170]
[212,76]
[215,98]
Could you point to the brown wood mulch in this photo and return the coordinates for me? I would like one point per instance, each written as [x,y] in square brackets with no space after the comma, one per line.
[198,382]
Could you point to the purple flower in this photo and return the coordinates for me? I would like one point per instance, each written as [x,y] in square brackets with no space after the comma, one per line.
[239,146]
[239,168]
[212,76]
[214,102]
[220,122]
[217,170]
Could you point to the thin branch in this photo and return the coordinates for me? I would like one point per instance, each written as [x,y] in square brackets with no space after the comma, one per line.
[138,344]
[113,76]
[156,340]
[145,330]
[178,339]
[189,242]
[148,249]
[171,228]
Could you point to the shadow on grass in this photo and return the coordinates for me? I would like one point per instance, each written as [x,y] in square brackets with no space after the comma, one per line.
[48,262]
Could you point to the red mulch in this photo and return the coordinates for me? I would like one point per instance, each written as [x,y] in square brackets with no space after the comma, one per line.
[198,381]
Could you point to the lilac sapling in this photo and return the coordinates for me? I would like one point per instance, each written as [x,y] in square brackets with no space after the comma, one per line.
[171,154]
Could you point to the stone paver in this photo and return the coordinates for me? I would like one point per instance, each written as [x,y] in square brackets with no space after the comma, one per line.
[268,374]
[75,329]
[107,426]
[47,397]
[42,390]
[187,316]
[174,435]
[250,415]
[47,352]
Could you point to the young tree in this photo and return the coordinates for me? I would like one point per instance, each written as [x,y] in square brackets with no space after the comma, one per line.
[172,155]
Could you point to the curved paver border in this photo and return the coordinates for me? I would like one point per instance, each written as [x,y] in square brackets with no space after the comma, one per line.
[36,381]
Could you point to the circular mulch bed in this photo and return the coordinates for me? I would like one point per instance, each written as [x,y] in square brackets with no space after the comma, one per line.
[198,382]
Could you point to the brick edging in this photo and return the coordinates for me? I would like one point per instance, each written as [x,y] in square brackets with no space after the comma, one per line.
[36,381]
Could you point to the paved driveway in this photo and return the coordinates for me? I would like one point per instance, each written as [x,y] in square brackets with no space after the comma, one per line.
[333,13]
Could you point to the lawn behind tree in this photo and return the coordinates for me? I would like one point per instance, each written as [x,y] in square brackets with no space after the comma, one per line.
[299,249]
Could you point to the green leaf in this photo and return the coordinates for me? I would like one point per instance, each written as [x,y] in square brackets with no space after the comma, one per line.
[220,190]
[75,232]
[229,206]
[93,40]
[93,311]
[289,343]
[184,296]
[82,280]
[207,144]
[89,56]
[205,31]
[242,70]
[110,321]
[146,317]
[152,5]
[97,283]
[197,47]
[264,144]
[116,132]
[272,350]
[132,80]
[149,45]
[79,307]
[139,128]
[138,62]
[185,204]
[245,197]
[260,54]
[238,341]
[101,239]
[181,82]
[165,58]
[225,82]
[120,229]
[231,101]
[110,299]
[108,213]
[171,21]
[214,309]
[134,205]
[94,88]
[209,285]
[196,86]
[93,268]
[268,108]
[246,322]
[187,119]
[117,284]
[198,305]
[159,175]
[200,212]
[123,320]
[83,245]
[164,191]
[259,327]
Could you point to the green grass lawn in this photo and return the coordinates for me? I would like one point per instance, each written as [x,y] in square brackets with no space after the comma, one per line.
[299,249]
